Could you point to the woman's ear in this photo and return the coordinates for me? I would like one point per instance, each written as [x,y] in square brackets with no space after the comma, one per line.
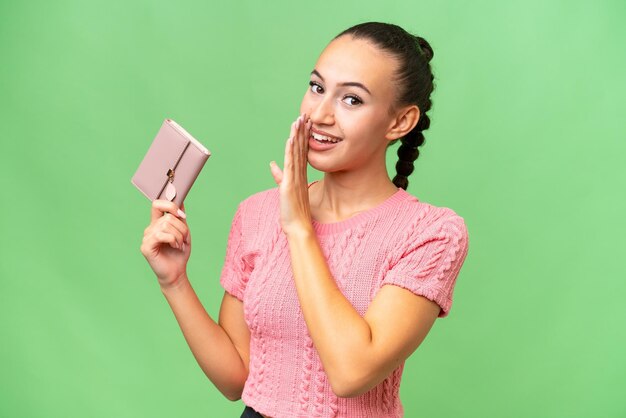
[405,120]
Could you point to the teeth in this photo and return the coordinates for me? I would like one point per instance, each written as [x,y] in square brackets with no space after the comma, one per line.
[324,138]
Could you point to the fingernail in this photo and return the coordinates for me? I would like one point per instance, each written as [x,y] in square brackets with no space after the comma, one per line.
[182,214]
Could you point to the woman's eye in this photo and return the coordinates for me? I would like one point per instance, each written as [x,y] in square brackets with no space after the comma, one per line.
[352,100]
[315,86]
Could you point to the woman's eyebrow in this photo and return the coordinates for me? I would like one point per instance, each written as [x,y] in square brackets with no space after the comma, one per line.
[347,83]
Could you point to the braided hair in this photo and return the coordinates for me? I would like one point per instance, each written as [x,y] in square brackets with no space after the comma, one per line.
[415,81]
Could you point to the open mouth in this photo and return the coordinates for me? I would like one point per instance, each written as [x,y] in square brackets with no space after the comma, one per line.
[323,139]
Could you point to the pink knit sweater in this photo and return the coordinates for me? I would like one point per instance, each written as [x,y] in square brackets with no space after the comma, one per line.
[401,242]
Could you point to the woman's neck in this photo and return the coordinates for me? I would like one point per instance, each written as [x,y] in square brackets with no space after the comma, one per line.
[341,195]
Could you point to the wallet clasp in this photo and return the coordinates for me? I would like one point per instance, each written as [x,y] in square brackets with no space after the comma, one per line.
[170,190]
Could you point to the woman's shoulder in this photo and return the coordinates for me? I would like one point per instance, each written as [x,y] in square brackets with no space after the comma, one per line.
[258,215]
[422,215]
[261,198]
[260,206]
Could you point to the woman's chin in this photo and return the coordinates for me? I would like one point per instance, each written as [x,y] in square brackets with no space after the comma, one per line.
[321,164]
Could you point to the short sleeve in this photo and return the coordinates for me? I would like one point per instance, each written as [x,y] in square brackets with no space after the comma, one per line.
[429,263]
[236,269]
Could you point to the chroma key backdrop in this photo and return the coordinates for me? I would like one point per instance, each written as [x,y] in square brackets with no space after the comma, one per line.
[527,143]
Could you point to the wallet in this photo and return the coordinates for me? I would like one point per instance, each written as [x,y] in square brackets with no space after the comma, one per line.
[171,165]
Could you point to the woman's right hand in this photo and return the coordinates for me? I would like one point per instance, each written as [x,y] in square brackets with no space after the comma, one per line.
[166,242]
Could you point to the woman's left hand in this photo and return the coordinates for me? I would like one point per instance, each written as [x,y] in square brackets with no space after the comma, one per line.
[295,210]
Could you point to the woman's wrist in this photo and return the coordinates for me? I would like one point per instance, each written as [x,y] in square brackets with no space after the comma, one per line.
[176,285]
[299,231]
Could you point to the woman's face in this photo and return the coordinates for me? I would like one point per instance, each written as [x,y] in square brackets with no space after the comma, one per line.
[349,98]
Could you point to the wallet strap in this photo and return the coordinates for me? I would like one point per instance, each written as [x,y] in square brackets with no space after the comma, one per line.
[172,193]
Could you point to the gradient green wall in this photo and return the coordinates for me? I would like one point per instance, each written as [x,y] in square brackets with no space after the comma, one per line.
[527,143]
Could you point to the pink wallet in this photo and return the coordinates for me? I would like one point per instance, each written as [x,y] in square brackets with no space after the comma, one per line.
[171,165]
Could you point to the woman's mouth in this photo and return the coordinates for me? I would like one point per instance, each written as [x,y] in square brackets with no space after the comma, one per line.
[324,138]
[320,142]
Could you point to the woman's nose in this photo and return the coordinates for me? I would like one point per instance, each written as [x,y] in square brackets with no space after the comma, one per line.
[323,112]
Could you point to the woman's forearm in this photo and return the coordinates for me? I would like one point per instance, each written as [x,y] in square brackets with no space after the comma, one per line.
[209,343]
[342,337]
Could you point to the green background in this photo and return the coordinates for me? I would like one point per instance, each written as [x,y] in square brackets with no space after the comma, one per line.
[527,144]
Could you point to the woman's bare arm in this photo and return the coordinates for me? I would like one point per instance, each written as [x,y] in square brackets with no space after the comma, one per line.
[221,350]
[357,352]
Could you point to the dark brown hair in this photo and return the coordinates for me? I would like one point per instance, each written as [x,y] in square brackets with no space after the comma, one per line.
[414,78]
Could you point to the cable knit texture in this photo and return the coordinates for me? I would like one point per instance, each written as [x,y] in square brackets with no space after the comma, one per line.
[401,242]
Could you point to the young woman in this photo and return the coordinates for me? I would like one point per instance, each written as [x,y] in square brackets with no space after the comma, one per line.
[330,285]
